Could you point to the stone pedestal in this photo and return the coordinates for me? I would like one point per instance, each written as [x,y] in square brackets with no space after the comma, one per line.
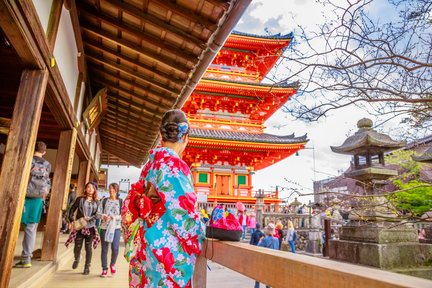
[313,243]
[387,248]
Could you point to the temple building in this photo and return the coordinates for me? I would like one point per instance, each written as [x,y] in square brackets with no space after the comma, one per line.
[227,111]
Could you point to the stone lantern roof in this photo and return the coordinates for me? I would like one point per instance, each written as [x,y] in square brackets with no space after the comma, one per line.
[425,157]
[366,140]
[295,203]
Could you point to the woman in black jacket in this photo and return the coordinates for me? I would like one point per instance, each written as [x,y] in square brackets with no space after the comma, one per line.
[86,207]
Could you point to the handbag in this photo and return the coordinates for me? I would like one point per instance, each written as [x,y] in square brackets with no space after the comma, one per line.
[80,223]
[223,226]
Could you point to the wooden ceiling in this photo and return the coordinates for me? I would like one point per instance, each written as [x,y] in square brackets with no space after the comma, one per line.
[150,55]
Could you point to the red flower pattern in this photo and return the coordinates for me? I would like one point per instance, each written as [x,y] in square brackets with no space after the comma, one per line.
[188,201]
[166,258]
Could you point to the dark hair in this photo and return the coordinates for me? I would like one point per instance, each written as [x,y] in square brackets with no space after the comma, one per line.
[115,187]
[169,128]
[94,186]
[40,147]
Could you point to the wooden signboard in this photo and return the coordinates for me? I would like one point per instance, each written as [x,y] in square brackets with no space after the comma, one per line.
[97,108]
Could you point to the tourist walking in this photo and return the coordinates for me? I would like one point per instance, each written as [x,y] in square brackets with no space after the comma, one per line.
[256,235]
[243,219]
[251,223]
[109,212]
[37,191]
[164,231]
[84,225]
[279,233]
[269,241]
[291,236]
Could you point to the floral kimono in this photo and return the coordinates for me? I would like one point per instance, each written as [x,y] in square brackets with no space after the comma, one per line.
[163,232]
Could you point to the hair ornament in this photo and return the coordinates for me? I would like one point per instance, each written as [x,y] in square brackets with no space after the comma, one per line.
[183,128]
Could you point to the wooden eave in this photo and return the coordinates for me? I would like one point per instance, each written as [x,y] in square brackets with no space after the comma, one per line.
[150,55]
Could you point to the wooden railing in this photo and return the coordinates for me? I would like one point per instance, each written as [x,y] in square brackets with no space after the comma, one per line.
[283,269]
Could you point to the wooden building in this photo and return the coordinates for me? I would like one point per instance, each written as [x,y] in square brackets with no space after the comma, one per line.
[227,111]
[91,78]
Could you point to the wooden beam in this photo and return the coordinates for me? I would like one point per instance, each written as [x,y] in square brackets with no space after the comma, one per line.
[166,76]
[299,271]
[143,51]
[155,21]
[124,143]
[188,14]
[124,125]
[125,134]
[100,70]
[53,23]
[137,100]
[17,162]
[166,88]
[59,191]
[115,118]
[132,110]
[186,55]
[120,154]
[10,24]
[78,38]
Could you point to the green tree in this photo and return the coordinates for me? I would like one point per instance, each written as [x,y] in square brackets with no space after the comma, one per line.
[415,196]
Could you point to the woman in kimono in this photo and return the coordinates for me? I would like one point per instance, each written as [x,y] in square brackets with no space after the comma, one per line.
[163,230]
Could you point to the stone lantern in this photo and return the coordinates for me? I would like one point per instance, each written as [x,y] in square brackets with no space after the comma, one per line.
[368,147]
[374,236]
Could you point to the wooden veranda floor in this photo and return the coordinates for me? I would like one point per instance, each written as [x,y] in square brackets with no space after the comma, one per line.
[66,277]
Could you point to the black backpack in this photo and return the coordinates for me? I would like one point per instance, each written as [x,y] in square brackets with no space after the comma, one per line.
[39,183]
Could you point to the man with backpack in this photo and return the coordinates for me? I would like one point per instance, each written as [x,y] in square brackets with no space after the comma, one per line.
[37,190]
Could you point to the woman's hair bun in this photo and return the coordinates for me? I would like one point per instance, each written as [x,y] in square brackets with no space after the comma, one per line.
[169,128]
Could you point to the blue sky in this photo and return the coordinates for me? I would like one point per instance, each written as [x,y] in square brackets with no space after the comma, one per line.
[297,172]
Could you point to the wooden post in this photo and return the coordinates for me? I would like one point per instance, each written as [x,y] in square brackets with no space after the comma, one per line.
[327,231]
[59,190]
[200,273]
[83,176]
[17,161]
[249,184]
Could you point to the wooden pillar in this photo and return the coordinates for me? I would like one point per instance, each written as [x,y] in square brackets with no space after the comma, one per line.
[83,176]
[212,182]
[17,162]
[59,190]
[249,184]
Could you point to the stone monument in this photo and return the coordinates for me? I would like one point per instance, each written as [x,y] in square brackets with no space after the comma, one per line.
[375,236]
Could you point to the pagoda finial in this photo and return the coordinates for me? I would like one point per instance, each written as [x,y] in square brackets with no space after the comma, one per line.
[365,124]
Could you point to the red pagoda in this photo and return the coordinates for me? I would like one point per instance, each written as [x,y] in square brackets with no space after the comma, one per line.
[227,111]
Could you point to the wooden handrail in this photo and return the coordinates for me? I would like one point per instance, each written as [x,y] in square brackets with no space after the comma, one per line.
[283,269]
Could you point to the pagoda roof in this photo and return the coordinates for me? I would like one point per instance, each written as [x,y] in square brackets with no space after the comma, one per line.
[274,36]
[258,100]
[246,137]
[252,85]
[367,139]
[264,50]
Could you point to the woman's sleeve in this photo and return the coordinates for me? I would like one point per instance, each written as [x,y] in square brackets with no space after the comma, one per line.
[73,208]
[179,198]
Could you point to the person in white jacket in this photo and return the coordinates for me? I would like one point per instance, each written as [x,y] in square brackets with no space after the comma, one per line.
[110,213]
[291,236]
